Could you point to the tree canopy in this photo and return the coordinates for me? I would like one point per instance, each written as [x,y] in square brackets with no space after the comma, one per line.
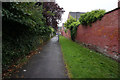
[52,13]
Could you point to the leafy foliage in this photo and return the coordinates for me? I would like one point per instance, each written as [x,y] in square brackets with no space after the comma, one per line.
[69,22]
[65,30]
[52,13]
[90,17]
[72,24]
[24,13]
[24,29]
[85,19]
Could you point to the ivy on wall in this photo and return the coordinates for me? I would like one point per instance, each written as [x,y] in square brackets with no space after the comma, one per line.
[72,24]
[90,17]
[85,19]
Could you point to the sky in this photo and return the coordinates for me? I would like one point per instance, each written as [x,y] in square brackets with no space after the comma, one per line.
[85,6]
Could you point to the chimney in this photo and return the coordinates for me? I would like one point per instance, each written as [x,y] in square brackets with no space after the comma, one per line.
[118,3]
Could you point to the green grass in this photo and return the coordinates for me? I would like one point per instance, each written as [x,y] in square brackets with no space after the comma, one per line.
[82,63]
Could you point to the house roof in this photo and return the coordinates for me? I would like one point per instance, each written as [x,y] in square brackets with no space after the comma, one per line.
[76,14]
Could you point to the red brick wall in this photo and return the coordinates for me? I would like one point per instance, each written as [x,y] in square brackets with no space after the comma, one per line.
[119,31]
[102,35]
[67,34]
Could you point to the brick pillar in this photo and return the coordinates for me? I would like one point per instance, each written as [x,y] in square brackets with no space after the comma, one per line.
[119,3]
[119,29]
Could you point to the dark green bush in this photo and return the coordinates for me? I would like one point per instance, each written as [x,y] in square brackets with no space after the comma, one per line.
[17,43]
[73,29]
[24,29]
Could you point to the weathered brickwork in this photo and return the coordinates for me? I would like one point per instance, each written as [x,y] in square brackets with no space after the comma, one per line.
[102,36]
[67,34]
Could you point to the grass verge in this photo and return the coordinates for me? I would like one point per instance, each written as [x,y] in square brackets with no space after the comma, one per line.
[84,63]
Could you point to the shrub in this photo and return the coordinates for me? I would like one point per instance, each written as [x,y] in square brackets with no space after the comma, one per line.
[72,25]
[73,28]
[68,22]
[24,29]
[90,17]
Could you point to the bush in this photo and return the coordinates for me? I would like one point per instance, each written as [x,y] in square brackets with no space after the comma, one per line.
[72,24]
[90,17]
[73,29]
[24,29]
[69,22]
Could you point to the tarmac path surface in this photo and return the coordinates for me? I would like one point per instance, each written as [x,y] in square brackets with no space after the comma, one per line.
[48,63]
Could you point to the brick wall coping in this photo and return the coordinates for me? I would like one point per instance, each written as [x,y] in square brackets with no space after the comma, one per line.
[112,10]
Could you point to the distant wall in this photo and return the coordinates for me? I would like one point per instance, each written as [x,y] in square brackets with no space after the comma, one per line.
[67,34]
[102,36]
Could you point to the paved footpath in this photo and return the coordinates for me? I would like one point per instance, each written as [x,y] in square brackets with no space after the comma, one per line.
[46,64]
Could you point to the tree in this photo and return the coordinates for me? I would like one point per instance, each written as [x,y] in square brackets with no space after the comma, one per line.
[52,12]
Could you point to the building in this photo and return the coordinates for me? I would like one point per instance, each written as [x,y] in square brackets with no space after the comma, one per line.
[75,14]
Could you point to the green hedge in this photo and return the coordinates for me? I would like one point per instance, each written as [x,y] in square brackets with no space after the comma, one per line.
[24,29]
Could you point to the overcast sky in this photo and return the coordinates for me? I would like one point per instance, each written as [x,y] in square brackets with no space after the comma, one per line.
[85,6]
